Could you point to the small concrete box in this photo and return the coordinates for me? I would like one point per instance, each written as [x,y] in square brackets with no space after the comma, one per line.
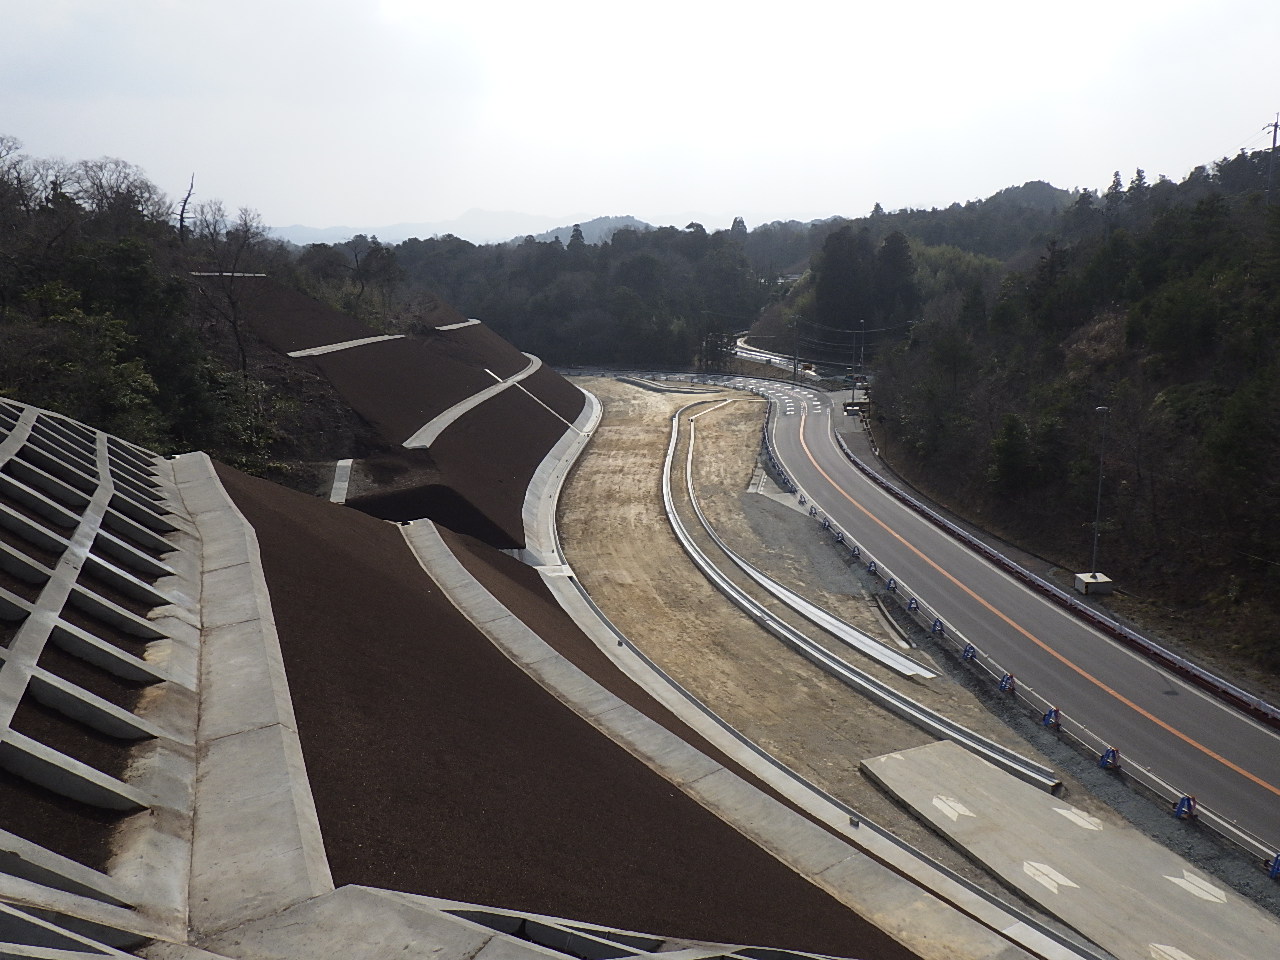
[1094,583]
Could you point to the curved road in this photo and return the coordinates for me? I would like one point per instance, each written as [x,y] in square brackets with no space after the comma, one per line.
[1230,763]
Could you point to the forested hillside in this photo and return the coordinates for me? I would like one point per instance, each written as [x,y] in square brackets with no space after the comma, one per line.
[103,318]
[1161,303]
[995,329]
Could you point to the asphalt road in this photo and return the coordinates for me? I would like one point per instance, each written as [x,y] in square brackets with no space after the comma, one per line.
[1192,741]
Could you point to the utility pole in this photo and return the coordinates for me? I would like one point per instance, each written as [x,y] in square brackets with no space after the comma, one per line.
[1271,162]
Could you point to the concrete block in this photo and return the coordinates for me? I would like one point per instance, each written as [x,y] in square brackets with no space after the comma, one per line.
[798,842]
[242,684]
[231,595]
[256,847]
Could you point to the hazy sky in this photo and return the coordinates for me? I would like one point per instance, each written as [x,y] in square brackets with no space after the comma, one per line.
[367,113]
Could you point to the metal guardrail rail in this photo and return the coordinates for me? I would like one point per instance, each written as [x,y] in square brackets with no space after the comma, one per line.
[846,633]
[1076,732]
[916,713]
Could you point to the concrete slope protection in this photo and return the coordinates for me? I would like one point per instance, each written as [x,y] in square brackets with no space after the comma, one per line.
[399,386]
[1155,719]
[439,767]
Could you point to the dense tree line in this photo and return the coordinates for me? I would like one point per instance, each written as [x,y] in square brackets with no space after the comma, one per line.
[643,297]
[1161,303]
[101,319]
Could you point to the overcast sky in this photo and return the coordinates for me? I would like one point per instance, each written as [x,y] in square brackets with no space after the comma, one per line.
[365,113]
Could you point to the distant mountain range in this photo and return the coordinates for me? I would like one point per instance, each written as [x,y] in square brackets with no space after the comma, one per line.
[477,226]
[490,226]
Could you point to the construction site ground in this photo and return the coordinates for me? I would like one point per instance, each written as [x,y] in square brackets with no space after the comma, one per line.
[617,538]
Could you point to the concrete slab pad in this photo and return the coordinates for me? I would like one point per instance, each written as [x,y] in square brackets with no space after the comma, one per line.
[354,923]
[1118,888]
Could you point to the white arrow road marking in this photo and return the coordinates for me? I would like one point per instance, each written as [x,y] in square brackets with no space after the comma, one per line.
[1160,951]
[1044,874]
[952,808]
[1080,818]
[1200,888]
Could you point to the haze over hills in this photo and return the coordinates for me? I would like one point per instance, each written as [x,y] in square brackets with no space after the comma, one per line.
[478,226]
[492,226]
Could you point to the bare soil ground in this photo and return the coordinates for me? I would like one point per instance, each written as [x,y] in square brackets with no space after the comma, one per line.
[619,543]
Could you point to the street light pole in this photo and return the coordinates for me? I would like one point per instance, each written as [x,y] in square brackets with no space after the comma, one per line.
[1097,514]
[795,348]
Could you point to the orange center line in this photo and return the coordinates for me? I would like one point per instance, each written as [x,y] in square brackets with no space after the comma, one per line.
[1191,741]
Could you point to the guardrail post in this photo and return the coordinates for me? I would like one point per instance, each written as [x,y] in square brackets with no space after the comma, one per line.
[913,604]
[871,566]
[938,628]
[1007,683]
[1110,759]
[891,585]
[1186,809]
[1052,719]
[856,551]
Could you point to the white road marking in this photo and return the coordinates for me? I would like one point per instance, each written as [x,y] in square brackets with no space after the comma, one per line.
[952,808]
[1045,875]
[1198,887]
[1079,818]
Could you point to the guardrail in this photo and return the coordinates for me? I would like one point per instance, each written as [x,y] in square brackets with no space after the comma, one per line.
[934,723]
[1051,716]
[1249,703]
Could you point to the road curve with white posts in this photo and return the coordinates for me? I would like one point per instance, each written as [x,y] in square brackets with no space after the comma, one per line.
[1156,720]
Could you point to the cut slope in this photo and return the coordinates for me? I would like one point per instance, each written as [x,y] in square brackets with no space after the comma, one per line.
[440,768]
[474,476]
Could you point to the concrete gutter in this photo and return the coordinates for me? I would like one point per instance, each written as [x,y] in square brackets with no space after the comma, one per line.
[427,434]
[256,844]
[344,345]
